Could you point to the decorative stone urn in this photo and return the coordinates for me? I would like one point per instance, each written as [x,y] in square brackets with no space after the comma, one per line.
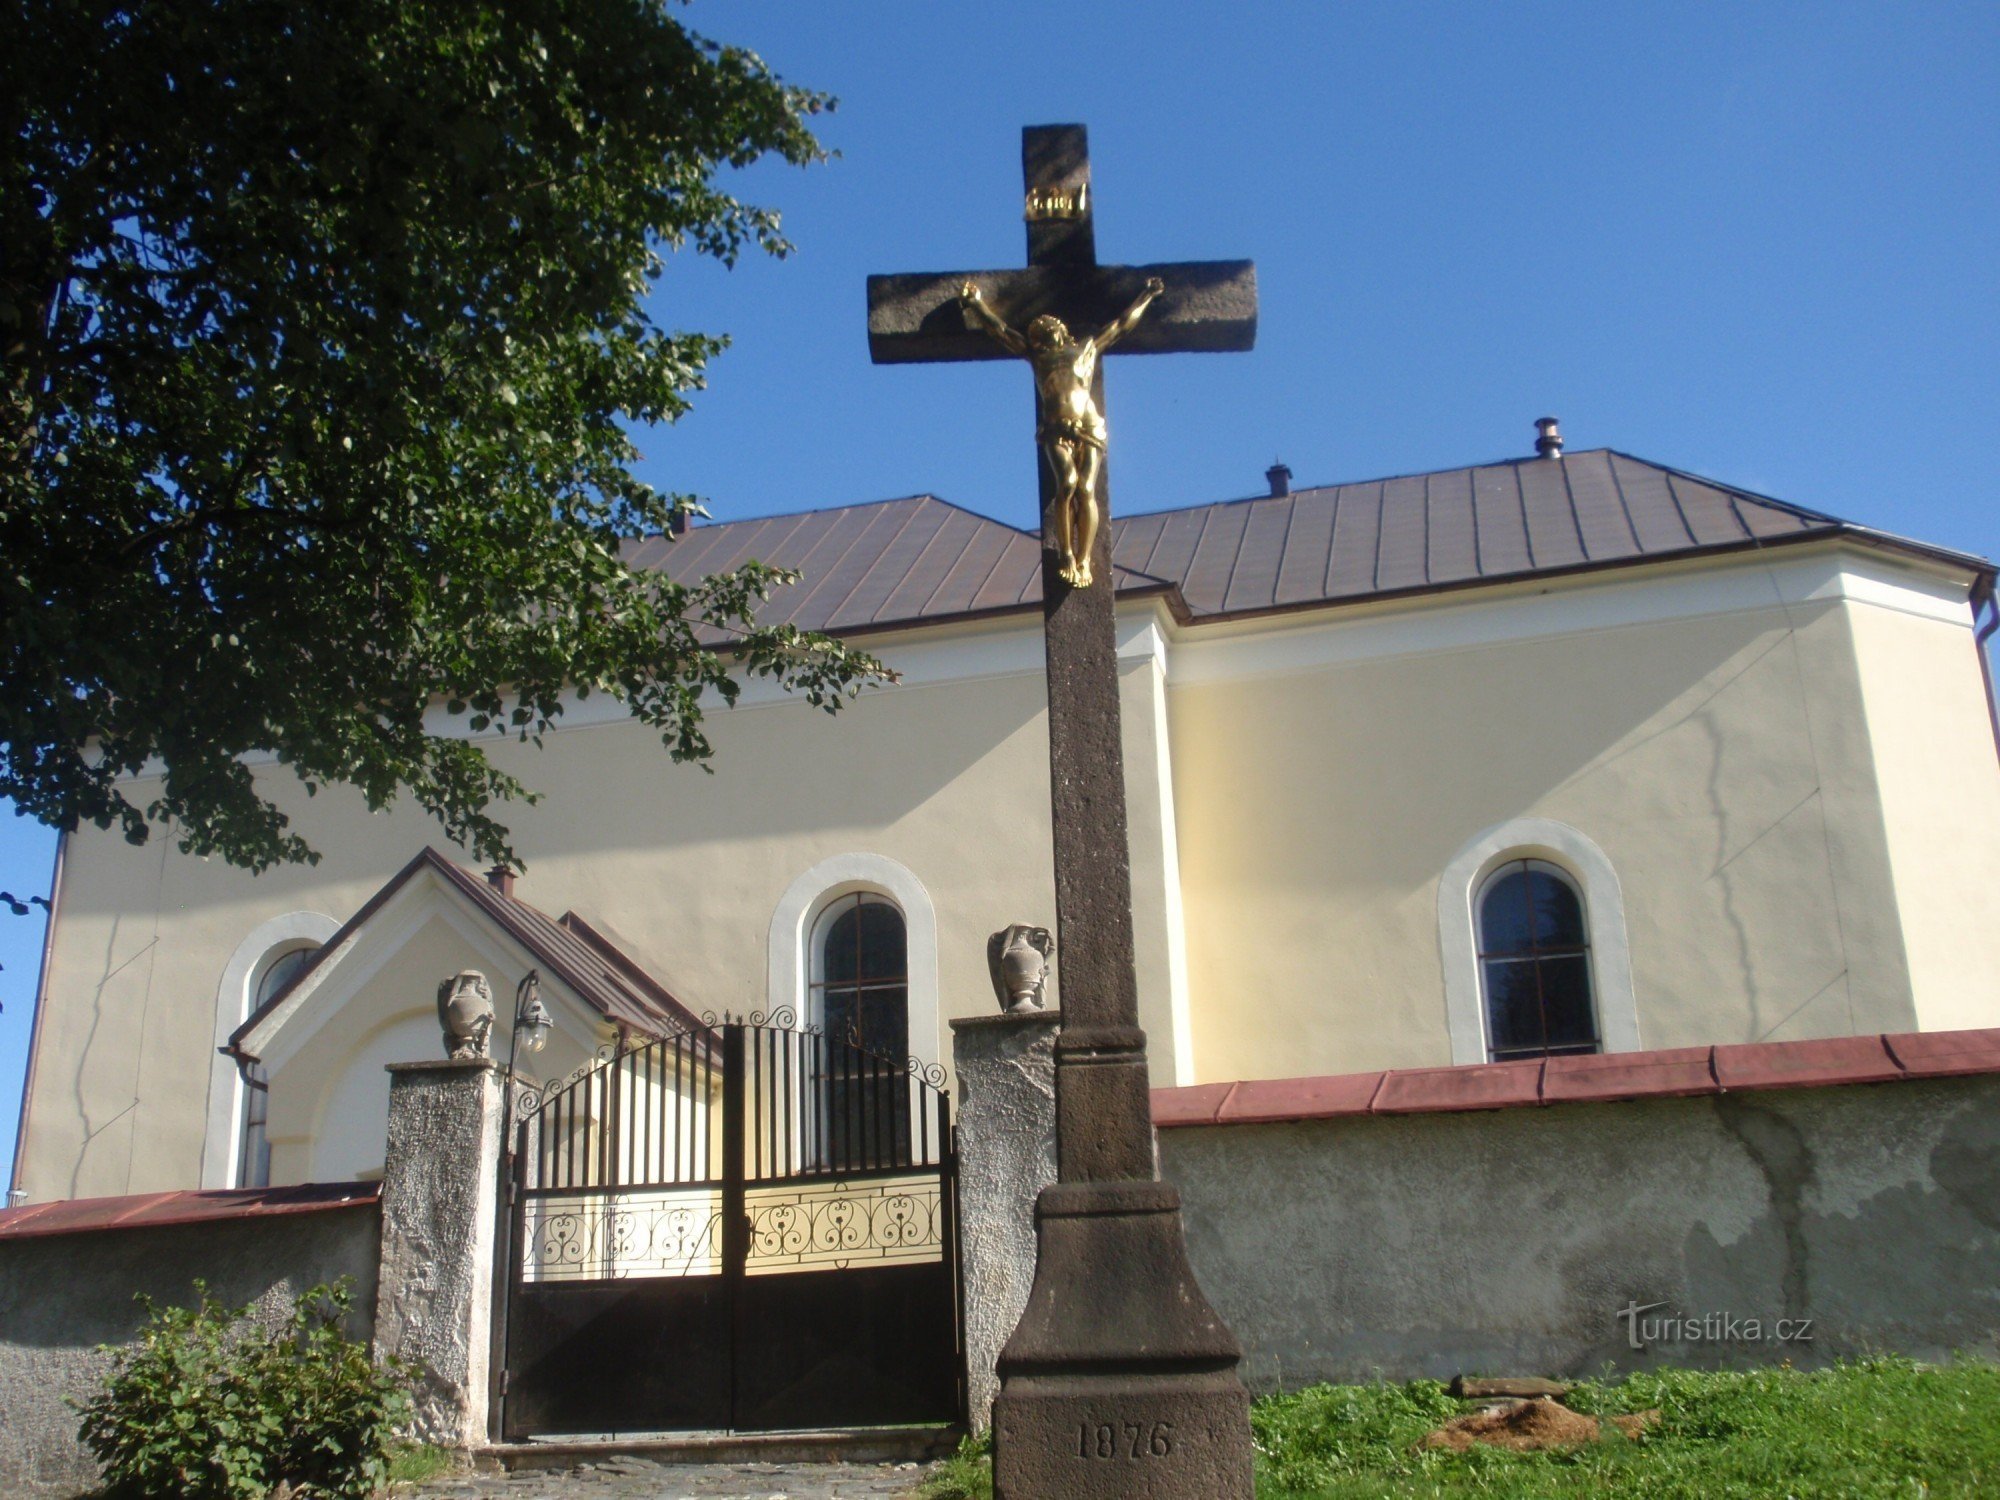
[1018,956]
[465,1012]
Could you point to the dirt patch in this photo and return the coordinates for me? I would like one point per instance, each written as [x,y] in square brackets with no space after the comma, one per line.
[1632,1424]
[1528,1425]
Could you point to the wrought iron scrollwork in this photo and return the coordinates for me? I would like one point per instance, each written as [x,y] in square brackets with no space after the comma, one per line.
[783,1018]
[534,1098]
[839,1223]
[525,1099]
[599,1239]
[931,1075]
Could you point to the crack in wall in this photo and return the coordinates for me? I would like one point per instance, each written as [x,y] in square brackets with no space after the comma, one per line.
[1779,1151]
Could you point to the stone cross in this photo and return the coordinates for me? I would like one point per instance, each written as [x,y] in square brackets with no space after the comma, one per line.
[1120,1379]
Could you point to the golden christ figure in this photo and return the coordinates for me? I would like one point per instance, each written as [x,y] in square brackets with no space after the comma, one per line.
[1071,429]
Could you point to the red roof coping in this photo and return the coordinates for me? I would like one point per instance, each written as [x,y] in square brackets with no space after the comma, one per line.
[1662,1073]
[1599,1076]
[1299,1098]
[1945,1054]
[158,1210]
[1828,1060]
[1194,1105]
[1414,1091]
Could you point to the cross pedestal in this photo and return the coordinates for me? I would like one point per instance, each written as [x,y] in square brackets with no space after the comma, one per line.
[1120,1379]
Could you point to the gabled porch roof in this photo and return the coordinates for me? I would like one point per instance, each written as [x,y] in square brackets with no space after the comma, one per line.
[567,948]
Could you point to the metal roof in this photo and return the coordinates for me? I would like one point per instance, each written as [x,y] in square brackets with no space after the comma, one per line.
[1418,532]
[921,560]
[865,566]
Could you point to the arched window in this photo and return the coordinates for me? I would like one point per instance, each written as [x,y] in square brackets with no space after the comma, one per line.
[861,974]
[1534,963]
[235,998]
[813,900]
[860,999]
[253,1151]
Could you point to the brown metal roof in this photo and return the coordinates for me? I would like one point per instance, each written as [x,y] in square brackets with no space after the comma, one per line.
[866,567]
[569,948]
[581,957]
[1423,532]
[919,560]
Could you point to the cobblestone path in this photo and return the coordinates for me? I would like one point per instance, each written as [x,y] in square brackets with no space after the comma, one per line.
[640,1479]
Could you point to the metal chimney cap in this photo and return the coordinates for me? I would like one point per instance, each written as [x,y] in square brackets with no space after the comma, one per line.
[1549,439]
[1280,478]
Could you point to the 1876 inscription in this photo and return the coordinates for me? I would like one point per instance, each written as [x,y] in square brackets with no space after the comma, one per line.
[1126,1440]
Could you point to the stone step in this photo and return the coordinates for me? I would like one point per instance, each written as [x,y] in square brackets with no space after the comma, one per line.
[854,1445]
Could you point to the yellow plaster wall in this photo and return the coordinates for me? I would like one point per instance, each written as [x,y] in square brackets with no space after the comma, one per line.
[682,869]
[1726,765]
[329,1099]
[1722,763]
[1940,786]
[1156,915]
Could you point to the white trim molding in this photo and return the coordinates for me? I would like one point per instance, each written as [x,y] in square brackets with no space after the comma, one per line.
[268,942]
[1604,916]
[1586,603]
[789,959]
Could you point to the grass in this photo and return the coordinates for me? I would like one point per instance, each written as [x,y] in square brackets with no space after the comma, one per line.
[418,1462]
[1875,1428]
[966,1475]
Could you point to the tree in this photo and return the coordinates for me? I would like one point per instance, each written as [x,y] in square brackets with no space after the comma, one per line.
[322,329]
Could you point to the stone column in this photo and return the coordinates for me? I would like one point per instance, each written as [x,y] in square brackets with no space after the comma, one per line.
[440,1213]
[1006,1068]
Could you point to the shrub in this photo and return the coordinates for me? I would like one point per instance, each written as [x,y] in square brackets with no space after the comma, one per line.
[210,1406]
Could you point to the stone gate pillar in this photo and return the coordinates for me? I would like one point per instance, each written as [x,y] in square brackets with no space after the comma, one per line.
[440,1214]
[1006,1067]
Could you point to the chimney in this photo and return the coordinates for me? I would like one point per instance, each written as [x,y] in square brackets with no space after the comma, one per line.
[501,879]
[678,526]
[1548,441]
[1280,478]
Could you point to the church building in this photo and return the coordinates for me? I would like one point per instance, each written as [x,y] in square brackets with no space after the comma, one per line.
[1573,752]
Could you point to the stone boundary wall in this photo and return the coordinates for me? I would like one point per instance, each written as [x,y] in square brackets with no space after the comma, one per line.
[1675,1220]
[69,1273]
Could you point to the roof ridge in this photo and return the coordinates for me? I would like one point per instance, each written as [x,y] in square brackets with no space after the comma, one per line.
[1342,484]
[827,510]
[1790,507]
[1511,461]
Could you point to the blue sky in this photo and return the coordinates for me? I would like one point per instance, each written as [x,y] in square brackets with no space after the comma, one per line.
[1756,241]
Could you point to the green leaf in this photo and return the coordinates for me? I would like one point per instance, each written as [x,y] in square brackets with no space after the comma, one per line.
[340,323]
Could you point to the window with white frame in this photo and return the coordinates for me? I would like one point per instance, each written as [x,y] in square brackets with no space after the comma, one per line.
[253,1151]
[1534,962]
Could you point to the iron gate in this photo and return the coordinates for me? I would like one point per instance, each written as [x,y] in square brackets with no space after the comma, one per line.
[745,1227]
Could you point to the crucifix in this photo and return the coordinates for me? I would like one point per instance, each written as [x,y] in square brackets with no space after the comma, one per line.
[1120,1379]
